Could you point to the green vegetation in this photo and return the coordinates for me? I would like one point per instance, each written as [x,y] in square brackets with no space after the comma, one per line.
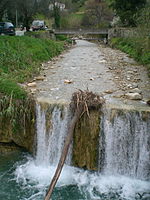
[126,10]
[8,87]
[71,21]
[63,38]
[20,59]
[15,115]
[138,48]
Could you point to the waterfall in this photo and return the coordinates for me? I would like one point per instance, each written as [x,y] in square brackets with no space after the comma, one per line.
[124,150]
[127,143]
[124,140]
[51,133]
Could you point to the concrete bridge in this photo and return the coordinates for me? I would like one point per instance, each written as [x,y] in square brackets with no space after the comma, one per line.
[81,32]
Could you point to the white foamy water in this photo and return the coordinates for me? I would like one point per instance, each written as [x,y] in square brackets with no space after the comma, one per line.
[51,134]
[92,185]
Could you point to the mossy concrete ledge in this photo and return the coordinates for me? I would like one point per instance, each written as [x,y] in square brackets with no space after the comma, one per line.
[17,125]
[86,141]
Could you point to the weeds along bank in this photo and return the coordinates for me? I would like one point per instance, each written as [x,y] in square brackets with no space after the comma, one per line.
[20,59]
[138,48]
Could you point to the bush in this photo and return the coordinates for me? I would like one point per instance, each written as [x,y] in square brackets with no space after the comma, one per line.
[61,37]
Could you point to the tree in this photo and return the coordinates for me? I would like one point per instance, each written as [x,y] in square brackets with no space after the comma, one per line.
[56,12]
[97,13]
[126,10]
[143,20]
[3,7]
[43,7]
[26,10]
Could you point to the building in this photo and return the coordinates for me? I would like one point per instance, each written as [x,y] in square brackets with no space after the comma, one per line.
[61,6]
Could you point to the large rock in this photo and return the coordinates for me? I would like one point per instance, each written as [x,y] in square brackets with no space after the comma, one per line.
[136,90]
[133,96]
[33,84]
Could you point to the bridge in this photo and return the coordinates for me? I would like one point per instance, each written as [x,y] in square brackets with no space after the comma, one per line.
[81,32]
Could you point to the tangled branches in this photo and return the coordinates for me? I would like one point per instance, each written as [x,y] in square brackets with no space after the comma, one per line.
[85,100]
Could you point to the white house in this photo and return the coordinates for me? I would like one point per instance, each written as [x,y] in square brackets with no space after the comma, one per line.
[60,5]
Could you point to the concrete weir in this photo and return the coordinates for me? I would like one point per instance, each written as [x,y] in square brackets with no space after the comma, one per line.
[114,140]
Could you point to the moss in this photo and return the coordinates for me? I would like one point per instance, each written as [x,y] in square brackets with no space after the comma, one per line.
[17,119]
[86,141]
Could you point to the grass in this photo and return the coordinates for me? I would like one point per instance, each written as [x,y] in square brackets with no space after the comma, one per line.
[137,48]
[9,87]
[20,59]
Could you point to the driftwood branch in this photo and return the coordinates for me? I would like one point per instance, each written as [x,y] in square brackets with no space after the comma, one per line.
[81,102]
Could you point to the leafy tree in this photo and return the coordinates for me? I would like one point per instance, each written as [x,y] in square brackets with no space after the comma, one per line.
[126,9]
[143,20]
[42,7]
[26,10]
[3,7]
[97,13]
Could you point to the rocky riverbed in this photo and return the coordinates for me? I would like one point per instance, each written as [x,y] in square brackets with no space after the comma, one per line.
[97,68]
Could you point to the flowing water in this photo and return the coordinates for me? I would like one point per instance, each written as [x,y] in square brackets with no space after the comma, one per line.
[126,144]
[127,138]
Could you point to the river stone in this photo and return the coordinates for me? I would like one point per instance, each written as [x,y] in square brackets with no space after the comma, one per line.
[136,90]
[33,84]
[148,102]
[40,78]
[108,91]
[133,96]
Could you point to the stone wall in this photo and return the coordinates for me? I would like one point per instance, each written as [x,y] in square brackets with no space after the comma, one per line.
[122,32]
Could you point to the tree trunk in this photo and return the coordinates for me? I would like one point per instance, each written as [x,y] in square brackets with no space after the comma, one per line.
[64,152]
